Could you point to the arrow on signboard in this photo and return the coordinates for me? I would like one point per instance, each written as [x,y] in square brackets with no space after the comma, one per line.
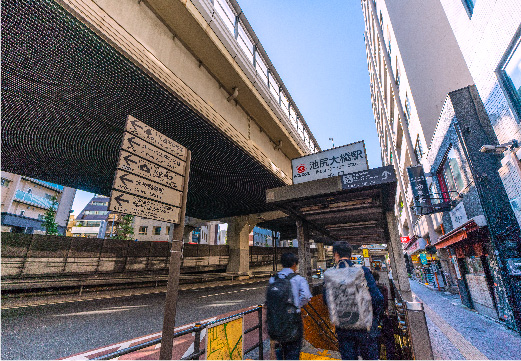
[386,174]
[131,141]
[144,168]
[120,199]
[135,124]
[129,160]
[123,178]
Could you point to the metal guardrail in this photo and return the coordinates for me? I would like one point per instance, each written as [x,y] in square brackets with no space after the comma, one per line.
[197,329]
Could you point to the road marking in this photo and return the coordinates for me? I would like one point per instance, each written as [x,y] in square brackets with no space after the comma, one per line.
[468,350]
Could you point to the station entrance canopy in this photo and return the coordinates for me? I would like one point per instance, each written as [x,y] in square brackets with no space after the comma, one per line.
[66,95]
[349,207]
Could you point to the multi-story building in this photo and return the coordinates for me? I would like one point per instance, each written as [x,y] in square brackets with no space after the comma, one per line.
[95,220]
[446,80]
[26,200]
[489,34]
[413,62]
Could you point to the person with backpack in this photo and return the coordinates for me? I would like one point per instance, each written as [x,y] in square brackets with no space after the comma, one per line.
[286,294]
[355,305]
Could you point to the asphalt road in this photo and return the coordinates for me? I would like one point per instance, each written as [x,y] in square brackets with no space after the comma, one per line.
[60,330]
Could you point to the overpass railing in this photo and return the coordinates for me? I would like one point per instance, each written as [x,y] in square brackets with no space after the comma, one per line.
[235,23]
[197,329]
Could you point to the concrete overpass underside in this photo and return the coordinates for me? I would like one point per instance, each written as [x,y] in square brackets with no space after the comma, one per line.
[66,94]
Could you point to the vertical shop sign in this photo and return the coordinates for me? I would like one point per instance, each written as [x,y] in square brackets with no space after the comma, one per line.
[419,188]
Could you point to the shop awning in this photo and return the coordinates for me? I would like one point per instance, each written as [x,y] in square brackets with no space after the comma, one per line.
[471,231]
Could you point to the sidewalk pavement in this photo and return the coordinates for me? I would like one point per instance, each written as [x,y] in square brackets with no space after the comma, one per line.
[459,333]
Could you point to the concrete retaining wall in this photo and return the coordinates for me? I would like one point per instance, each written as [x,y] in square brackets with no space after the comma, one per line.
[27,257]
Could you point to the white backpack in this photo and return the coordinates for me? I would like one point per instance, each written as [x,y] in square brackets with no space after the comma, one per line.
[348,298]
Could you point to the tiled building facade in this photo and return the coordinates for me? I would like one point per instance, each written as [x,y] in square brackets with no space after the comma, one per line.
[26,200]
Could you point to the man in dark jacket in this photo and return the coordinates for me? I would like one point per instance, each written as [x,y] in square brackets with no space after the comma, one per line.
[354,343]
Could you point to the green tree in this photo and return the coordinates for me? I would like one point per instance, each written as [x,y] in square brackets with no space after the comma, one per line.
[125,229]
[49,218]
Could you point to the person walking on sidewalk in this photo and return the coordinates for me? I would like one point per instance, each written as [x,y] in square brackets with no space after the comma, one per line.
[286,294]
[355,305]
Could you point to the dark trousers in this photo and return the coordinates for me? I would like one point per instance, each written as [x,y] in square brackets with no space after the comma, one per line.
[354,343]
[290,350]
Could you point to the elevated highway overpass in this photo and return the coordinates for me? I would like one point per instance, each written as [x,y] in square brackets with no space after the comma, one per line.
[73,70]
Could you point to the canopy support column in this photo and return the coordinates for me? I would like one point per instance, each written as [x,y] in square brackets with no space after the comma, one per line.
[304,256]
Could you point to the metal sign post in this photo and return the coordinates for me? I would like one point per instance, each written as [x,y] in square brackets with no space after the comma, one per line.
[172,289]
[152,182]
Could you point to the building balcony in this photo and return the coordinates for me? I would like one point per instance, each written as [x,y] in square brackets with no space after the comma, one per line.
[33,200]
[53,186]
[85,230]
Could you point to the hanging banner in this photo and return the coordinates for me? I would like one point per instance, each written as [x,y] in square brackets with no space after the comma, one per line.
[419,187]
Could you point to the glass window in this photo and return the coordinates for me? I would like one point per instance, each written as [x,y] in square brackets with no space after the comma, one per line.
[407,108]
[450,177]
[469,4]
[157,231]
[418,151]
[510,76]
[143,230]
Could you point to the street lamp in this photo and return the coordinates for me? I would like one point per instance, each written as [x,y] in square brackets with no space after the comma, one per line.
[499,149]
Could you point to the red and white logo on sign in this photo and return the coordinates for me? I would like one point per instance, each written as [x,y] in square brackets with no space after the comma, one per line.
[405,239]
[301,168]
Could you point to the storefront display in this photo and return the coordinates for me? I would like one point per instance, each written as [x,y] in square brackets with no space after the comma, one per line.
[467,245]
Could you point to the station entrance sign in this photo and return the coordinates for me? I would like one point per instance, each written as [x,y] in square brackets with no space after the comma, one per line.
[330,163]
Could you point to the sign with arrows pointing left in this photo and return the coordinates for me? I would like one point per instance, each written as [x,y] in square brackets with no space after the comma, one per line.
[133,184]
[151,175]
[146,208]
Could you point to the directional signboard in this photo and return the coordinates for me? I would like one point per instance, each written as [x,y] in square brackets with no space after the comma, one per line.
[139,147]
[150,176]
[146,208]
[145,169]
[369,177]
[152,136]
[134,184]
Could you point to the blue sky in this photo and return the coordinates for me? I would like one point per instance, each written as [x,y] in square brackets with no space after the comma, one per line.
[318,50]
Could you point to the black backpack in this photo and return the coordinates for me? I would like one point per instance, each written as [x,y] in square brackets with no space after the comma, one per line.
[282,315]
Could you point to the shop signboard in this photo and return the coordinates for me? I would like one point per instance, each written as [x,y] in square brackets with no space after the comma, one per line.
[458,216]
[405,239]
[365,252]
[330,163]
[416,246]
[419,187]
[423,258]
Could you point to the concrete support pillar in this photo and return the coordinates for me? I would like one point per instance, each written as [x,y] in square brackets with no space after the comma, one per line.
[65,200]
[304,254]
[187,234]
[399,269]
[239,230]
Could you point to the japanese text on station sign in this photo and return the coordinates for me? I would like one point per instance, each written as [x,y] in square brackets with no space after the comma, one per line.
[330,163]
